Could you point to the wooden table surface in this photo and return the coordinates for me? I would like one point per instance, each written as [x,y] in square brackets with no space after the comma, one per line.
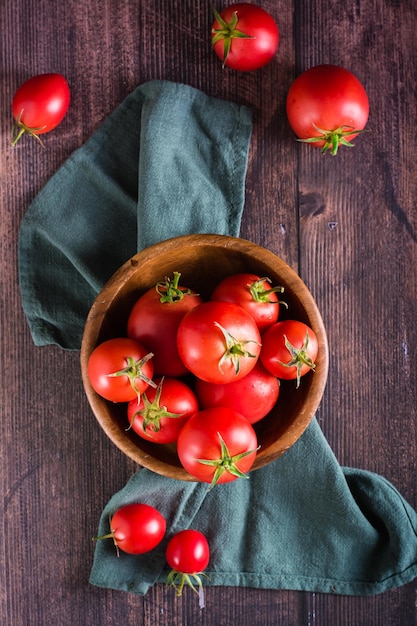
[347,224]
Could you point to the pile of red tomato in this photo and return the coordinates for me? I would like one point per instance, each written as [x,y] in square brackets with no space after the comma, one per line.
[199,374]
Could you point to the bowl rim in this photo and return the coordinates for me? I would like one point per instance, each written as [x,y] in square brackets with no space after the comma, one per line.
[122,274]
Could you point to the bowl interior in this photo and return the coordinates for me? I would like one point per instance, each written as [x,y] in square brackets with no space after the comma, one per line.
[203,260]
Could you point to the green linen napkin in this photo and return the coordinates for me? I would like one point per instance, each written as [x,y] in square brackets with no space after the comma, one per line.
[302,523]
[171,161]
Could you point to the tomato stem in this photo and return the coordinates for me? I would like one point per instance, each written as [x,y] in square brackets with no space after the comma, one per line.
[133,371]
[226,462]
[153,412]
[170,291]
[178,580]
[299,357]
[259,294]
[334,138]
[226,33]
[235,348]
[109,535]
[19,129]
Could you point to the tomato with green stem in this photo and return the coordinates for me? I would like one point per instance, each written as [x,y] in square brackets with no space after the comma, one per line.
[154,321]
[120,369]
[218,341]
[244,36]
[162,412]
[39,105]
[252,292]
[327,107]
[289,350]
[188,555]
[217,445]
[136,528]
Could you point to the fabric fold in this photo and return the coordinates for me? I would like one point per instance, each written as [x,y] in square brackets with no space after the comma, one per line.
[306,526]
[127,187]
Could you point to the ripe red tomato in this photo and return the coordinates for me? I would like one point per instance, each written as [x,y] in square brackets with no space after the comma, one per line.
[253,396]
[327,106]
[289,350]
[39,105]
[254,294]
[217,445]
[154,321]
[188,554]
[218,341]
[136,528]
[244,36]
[120,369]
[162,412]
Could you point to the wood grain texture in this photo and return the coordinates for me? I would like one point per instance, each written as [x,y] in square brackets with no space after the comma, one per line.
[347,224]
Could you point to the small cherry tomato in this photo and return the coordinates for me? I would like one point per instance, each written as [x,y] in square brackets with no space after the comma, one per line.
[244,36]
[120,369]
[162,412]
[188,554]
[136,528]
[253,396]
[39,105]
[218,341]
[253,293]
[289,350]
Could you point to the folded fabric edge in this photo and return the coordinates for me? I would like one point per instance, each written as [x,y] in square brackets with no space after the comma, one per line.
[280,583]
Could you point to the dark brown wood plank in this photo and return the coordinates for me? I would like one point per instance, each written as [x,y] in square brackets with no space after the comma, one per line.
[347,224]
[357,245]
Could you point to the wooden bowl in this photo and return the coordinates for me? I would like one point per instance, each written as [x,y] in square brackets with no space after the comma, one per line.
[203,260]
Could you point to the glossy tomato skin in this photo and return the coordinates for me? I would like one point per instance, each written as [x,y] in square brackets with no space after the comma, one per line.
[255,51]
[176,397]
[41,102]
[237,289]
[202,345]
[155,324]
[188,552]
[199,439]
[137,528]
[112,356]
[253,396]
[326,97]
[275,355]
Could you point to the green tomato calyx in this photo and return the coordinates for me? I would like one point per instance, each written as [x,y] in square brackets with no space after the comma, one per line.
[226,33]
[334,138]
[109,535]
[299,357]
[19,129]
[133,371]
[170,290]
[153,412]
[235,349]
[260,294]
[226,462]
[178,580]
